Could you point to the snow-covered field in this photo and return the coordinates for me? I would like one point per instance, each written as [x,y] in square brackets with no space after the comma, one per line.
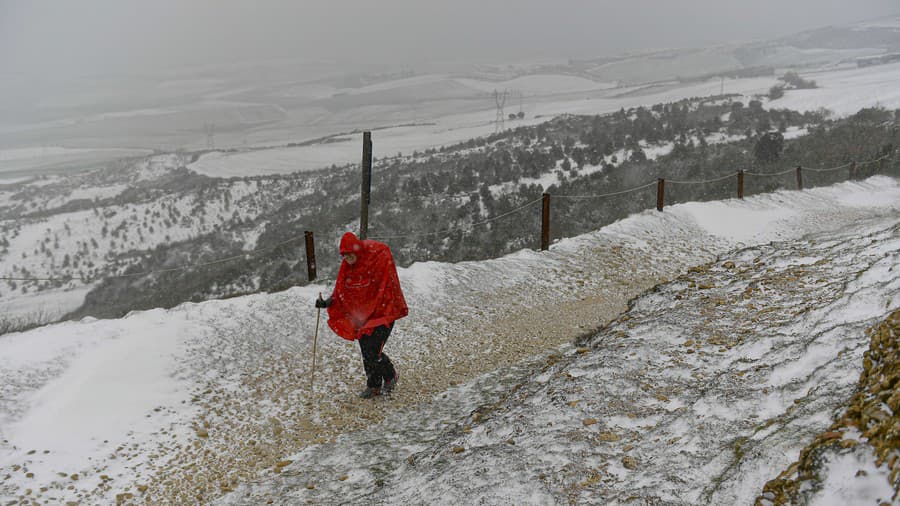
[32,161]
[893,23]
[847,91]
[187,404]
[45,305]
[537,85]
[449,129]
[842,91]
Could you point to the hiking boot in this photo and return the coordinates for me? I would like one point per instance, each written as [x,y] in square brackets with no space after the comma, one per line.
[389,384]
[369,392]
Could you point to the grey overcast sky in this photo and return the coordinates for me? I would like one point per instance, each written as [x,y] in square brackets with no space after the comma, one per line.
[60,38]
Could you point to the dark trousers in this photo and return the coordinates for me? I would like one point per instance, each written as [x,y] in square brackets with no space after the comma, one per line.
[377,364]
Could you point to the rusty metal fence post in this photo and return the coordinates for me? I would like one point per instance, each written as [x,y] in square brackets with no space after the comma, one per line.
[366,185]
[545,222]
[660,193]
[310,255]
[741,184]
[799,178]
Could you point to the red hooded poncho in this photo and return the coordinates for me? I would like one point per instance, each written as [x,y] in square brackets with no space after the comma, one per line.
[367,294]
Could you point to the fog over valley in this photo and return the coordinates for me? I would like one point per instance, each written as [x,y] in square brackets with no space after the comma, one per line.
[159,75]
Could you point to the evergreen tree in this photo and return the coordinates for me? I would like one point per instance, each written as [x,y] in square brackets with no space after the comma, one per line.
[769,147]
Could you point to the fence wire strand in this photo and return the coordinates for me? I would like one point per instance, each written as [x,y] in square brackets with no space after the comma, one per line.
[604,194]
[453,229]
[770,173]
[829,170]
[883,157]
[723,178]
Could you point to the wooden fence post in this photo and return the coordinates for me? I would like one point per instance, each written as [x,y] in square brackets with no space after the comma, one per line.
[545,222]
[660,193]
[741,184]
[799,178]
[310,256]
[853,170]
[366,185]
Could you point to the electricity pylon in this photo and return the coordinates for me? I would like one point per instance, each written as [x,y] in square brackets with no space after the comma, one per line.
[500,100]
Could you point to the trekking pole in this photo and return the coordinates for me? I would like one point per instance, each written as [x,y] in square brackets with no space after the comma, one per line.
[312,378]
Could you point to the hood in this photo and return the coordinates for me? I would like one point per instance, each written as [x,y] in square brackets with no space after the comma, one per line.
[350,244]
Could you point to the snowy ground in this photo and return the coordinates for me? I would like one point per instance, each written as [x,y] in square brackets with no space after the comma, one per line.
[17,164]
[187,404]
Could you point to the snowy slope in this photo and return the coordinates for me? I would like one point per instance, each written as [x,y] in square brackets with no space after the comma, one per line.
[106,237]
[847,91]
[187,404]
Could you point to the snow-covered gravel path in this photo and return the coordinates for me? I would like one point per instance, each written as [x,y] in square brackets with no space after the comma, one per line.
[239,403]
[705,389]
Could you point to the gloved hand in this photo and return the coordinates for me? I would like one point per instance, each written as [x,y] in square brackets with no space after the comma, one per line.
[323,303]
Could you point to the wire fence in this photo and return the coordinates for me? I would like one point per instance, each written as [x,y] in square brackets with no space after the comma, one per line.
[463,228]
[770,174]
[604,195]
[706,181]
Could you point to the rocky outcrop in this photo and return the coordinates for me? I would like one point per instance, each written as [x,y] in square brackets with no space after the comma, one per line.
[872,420]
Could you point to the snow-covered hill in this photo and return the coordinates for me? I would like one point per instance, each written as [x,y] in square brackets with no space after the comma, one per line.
[705,388]
[843,91]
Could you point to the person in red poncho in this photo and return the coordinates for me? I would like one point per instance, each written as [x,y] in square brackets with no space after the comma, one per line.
[366,301]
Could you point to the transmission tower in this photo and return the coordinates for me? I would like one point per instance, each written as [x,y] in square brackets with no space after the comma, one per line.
[210,129]
[500,100]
